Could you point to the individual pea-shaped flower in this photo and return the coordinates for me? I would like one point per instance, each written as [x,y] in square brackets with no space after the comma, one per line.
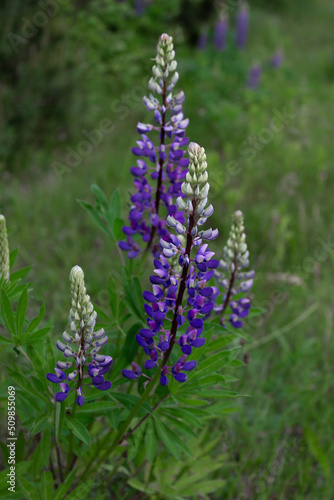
[160,164]
[169,311]
[82,344]
[231,275]
[4,250]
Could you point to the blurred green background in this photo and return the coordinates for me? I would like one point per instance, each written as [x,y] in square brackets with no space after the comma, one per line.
[270,153]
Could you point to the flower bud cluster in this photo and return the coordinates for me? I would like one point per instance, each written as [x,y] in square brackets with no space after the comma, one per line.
[82,344]
[172,321]
[161,168]
[232,276]
[4,250]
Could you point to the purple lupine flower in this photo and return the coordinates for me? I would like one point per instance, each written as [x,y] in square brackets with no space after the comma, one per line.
[160,168]
[220,32]
[88,364]
[254,77]
[277,59]
[232,277]
[177,273]
[242,26]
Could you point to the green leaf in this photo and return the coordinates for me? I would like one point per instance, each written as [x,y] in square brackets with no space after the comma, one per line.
[167,438]
[318,452]
[137,485]
[8,313]
[181,426]
[24,383]
[112,295]
[59,419]
[39,334]
[79,430]
[21,273]
[81,491]
[3,340]
[12,257]
[115,204]
[100,197]
[39,424]
[117,229]
[36,321]
[47,485]
[21,311]
[63,489]
[203,487]
[45,445]
[97,407]
[221,342]
[129,350]
[134,299]
[151,441]
[217,361]
[28,488]
[95,216]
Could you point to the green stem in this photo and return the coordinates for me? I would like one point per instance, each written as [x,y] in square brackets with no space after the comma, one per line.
[71,441]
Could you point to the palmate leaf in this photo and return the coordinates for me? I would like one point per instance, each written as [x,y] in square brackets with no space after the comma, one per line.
[179,425]
[167,438]
[151,441]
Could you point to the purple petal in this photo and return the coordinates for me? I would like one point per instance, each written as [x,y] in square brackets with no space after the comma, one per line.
[104,387]
[189,365]
[198,342]
[61,396]
[129,374]
[180,377]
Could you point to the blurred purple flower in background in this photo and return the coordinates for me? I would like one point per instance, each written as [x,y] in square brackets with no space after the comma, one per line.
[242,25]
[254,76]
[277,59]
[220,32]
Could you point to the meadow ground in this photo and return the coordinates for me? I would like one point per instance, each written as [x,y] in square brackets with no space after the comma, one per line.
[280,443]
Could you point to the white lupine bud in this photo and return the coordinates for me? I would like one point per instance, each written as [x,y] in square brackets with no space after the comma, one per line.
[67,337]
[180,203]
[4,249]
[165,244]
[171,222]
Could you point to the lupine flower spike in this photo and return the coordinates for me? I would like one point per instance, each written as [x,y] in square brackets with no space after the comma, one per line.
[242,25]
[232,276]
[277,59]
[172,321]
[82,344]
[164,162]
[254,76]
[4,250]
[220,32]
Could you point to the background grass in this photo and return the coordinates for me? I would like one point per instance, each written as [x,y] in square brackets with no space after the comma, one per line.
[279,446]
